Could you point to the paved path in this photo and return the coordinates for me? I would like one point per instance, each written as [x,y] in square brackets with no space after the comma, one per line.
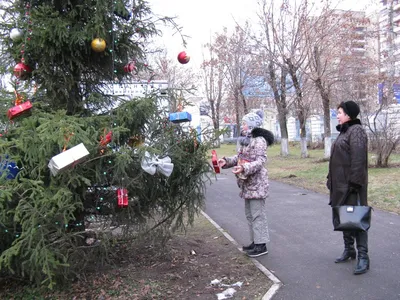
[303,244]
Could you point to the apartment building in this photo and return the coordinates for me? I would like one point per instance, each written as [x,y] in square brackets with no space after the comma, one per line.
[389,46]
[389,37]
[352,65]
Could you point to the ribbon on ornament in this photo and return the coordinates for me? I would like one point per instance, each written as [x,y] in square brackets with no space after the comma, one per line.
[18,98]
[152,163]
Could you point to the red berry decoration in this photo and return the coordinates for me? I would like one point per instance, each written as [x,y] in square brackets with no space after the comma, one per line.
[22,71]
[130,67]
[183,58]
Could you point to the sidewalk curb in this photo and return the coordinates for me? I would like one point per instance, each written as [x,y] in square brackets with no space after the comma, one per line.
[276,282]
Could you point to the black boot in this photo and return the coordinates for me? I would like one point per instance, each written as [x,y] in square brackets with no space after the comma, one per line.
[249,247]
[259,249]
[362,249]
[349,251]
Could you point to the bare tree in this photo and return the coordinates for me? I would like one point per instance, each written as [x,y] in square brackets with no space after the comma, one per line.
[335,42]
[233,51]
[384,132]
[284,28]
[213,78]
[274,72]
[180,80]
[322,38]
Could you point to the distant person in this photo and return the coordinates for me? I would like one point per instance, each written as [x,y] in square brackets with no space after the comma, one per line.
[348,178]
[249,168]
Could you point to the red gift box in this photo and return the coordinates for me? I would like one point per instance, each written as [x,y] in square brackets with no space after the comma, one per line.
[122,195]
[214,160]
[18,110]
[106,139]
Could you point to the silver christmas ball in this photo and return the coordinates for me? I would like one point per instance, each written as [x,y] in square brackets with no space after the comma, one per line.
[16,34]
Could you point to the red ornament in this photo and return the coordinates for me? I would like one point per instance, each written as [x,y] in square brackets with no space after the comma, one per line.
[19,110]
[22,71]
[183,58]
[106,139]
[122,195]
[214,160]
[130,67]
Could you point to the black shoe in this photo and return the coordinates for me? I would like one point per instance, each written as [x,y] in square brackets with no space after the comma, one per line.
[259,249]
[362,266]
[347,253]
[249,247]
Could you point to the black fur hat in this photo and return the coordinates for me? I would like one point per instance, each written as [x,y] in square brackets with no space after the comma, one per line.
[350,108]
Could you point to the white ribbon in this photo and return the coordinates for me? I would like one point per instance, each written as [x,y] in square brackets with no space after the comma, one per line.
[151,163]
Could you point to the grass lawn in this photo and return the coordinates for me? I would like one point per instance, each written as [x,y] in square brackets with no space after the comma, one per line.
[310,173]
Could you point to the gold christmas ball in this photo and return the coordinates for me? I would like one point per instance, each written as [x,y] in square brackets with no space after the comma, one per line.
[98,45]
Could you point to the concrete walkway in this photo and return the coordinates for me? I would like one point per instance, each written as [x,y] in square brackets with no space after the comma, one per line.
[303,244]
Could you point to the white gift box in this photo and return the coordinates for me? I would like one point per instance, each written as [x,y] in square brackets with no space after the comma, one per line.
[69,157]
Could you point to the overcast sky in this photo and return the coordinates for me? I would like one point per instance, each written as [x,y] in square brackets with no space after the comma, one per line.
[201,19]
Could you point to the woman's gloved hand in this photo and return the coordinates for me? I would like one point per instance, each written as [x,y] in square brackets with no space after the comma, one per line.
[354,188]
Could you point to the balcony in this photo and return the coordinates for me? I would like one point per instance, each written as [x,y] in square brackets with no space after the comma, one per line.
[383,18]
[396,18]
[360,42]
[358,49]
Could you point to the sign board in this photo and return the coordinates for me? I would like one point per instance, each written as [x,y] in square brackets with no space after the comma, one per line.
[137,88]
[381,92]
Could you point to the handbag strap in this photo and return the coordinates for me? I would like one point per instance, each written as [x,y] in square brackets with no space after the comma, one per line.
[347,196]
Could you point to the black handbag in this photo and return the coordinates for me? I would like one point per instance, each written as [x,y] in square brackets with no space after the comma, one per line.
[351,218]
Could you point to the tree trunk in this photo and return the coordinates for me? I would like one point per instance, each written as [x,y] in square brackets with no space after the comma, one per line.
[327,146]
[74,100]
[301,113]
[236,96]
[327,117]
[283,127]
[384,151]
[213,114]
[280,100]
[245,109]
[303,136]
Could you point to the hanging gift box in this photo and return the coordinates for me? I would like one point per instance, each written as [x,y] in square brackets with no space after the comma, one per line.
[67,158]
[122,196]
[19,110]
[180,117]
[106,139]
[9,167]
[214,160]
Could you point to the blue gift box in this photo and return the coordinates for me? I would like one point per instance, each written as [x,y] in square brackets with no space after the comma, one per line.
[179,117]
[12,169]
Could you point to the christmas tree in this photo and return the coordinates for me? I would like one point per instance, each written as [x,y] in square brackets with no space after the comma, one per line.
[72,152]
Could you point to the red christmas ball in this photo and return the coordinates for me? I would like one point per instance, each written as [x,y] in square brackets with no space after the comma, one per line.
[22,71]
[183,58]
[130,67]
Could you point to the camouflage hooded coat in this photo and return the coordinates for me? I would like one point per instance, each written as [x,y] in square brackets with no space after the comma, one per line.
[256,185]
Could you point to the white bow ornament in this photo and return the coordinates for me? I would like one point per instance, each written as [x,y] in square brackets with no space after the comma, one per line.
[151,163]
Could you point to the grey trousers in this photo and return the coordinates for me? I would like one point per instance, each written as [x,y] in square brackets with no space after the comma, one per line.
[256,216]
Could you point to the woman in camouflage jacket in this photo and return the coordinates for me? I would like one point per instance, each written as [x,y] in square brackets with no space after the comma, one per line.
[252,178]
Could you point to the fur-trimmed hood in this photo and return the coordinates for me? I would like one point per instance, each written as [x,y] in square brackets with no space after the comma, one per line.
[266,134]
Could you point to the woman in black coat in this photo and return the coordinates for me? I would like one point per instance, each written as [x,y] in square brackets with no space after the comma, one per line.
[348,178]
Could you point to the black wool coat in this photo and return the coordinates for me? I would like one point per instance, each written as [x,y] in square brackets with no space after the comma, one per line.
[348,165]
